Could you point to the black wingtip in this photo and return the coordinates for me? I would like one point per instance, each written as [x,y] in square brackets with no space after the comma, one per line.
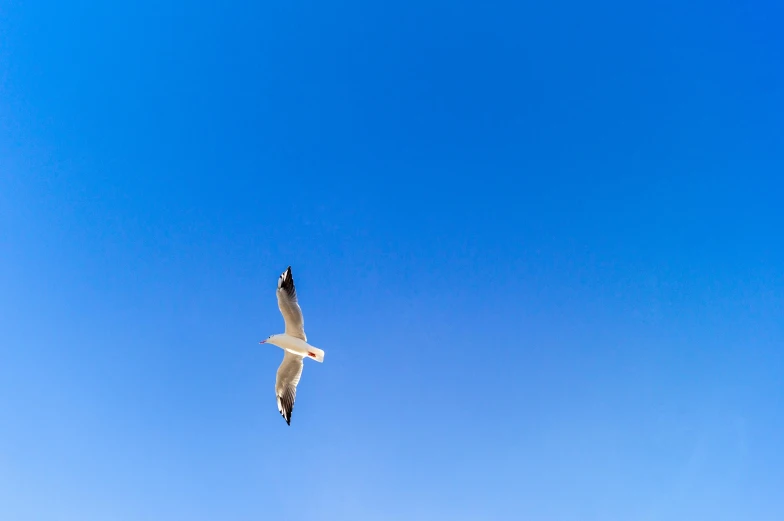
[286,282]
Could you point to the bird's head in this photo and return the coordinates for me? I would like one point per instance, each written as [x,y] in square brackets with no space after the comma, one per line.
[269,340]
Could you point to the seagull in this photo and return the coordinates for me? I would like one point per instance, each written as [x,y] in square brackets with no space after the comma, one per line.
[294,344]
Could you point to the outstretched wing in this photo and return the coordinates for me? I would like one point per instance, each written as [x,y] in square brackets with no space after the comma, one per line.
[288,376]
[289,307]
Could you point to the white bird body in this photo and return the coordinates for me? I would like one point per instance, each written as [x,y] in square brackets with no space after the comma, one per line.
[296,346]
[294,343]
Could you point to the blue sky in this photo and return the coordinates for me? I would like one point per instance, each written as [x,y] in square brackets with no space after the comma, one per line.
[540,244]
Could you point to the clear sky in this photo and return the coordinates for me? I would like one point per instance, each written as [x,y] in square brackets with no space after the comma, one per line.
[540,243]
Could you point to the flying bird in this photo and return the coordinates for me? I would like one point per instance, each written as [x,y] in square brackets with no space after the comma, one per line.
[294,344]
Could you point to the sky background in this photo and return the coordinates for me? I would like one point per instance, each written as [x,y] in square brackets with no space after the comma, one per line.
[540,243]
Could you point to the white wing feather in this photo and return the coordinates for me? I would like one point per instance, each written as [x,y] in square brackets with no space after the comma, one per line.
[289,373]
[289,307]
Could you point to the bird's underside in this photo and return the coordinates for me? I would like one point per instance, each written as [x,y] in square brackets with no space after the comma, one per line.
[290,370]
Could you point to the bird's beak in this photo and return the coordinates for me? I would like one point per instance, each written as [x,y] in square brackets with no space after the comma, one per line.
[263,342]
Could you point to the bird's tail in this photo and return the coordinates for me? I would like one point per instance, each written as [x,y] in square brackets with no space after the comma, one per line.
[314,353]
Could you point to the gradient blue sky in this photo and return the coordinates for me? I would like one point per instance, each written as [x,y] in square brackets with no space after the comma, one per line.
[541,244]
